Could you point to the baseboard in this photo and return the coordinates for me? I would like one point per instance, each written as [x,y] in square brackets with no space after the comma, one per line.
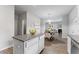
[6,47]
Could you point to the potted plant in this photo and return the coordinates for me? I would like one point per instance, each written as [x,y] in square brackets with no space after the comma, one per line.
[32,31]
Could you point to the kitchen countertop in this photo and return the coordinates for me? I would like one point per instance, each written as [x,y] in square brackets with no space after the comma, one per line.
[26,37]
[75,37]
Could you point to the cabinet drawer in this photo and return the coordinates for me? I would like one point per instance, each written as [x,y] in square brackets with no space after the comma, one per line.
[31,42]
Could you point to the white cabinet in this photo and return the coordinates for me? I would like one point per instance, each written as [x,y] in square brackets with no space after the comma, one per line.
[31,42]
[32,49]
[18,47]
[41,44]
[31,46]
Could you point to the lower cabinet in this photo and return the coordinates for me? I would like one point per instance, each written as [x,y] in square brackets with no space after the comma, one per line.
[32,46]
[18,47]
[32,49]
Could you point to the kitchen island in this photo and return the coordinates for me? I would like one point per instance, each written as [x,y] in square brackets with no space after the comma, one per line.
[28,44]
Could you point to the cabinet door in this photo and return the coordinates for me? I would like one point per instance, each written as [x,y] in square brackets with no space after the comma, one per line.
[18,47]
[41,44]
[32,49]
[31,46]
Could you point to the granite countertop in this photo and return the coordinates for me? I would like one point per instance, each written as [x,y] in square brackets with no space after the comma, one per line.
[74,37]
[26,37]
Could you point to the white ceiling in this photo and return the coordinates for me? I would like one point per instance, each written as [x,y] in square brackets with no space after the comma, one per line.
[45,11]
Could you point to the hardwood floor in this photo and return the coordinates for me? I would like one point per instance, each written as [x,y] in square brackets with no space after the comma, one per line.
[57,46]
[7,51]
